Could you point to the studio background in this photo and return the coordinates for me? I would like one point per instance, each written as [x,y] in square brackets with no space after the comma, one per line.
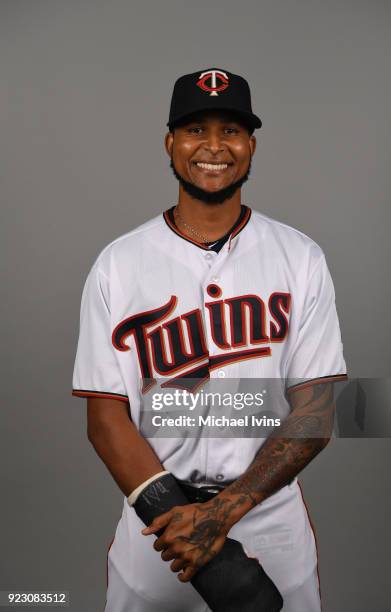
[84,97]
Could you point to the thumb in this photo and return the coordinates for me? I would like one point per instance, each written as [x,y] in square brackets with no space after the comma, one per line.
[157,523]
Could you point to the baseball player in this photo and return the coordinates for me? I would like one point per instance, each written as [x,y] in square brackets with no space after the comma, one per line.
[208,291]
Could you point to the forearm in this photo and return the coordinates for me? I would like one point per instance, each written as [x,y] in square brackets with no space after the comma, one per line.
[275,465]
[126,454]
[286,452]
[193,534]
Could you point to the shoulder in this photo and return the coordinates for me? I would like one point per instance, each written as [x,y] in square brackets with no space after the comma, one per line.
[128,245]
[282,231]
[286,241]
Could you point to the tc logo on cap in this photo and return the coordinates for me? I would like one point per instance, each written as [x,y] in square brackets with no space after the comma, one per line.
[214,76]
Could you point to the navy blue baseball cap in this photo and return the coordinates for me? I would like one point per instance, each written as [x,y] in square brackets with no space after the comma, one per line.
[209,89]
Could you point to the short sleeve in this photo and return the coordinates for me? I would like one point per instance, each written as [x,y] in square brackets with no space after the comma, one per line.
[96,370]
[317,352]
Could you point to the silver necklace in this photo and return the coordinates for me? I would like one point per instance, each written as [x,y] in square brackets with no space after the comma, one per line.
[189,227]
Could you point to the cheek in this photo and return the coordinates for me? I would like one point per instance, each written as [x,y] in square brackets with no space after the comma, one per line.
[242,152]
[182,153]
[244,158]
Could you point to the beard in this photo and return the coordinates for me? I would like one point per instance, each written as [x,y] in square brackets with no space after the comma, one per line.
[210,197]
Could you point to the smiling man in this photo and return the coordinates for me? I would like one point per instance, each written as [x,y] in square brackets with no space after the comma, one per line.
[210,289]
[211,177]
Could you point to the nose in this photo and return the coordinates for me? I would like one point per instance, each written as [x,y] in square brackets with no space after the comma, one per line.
[214,143]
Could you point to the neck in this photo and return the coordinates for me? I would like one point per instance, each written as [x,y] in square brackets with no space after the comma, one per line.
[209,220]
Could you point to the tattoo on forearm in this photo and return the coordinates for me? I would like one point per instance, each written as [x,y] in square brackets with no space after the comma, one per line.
[289,449]
[283,455]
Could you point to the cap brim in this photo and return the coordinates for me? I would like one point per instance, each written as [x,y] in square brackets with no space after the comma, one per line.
[249,118]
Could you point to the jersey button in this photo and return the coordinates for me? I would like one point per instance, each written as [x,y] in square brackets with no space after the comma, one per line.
[209,256]
[219,476]
[216,279]
[221,374]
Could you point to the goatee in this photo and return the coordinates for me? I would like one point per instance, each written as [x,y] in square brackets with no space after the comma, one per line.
[210,197]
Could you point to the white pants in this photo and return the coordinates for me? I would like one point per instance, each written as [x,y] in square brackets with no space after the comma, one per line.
[279,534]
[304,598]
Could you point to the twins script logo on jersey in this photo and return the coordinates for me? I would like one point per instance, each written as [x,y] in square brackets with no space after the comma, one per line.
[214,76]
[178,347]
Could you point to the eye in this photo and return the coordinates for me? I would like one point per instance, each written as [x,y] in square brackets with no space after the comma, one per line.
[195,129]
[231,130]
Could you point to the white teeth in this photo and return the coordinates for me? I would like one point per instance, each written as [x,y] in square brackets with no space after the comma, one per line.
[212,166]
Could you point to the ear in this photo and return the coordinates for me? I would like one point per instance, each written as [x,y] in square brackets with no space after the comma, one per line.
[253,144]
[169,143]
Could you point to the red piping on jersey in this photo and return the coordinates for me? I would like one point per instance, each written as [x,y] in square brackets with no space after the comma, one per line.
[107,563]
[81,393]
[236,231]
[107,569]
[316,542]
[317,381]
[181,234]
[244,222]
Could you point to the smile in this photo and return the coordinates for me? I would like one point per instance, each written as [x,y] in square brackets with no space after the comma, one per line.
[205,166]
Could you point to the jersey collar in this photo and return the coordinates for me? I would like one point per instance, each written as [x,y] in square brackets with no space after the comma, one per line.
[236,229]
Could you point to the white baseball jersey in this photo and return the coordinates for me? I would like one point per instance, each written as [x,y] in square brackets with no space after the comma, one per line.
[159,306]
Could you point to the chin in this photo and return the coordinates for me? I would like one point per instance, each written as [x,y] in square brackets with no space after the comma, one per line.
[210,194]
[211,183]
[210,188]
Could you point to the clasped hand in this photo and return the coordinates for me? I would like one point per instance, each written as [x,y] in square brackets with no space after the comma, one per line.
[193,534]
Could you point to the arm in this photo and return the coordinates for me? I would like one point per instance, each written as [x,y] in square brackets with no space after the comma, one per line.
[286,452]
[131,461]
[126,454]
[197,532]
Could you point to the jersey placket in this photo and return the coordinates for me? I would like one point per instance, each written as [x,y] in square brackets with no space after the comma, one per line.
[216,452]
[214,262]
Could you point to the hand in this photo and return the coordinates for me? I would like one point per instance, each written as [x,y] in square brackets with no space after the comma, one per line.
[193,534]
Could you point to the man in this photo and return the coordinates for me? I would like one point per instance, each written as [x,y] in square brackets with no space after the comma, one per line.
[210,290]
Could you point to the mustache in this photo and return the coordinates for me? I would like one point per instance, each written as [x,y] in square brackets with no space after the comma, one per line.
[210,197]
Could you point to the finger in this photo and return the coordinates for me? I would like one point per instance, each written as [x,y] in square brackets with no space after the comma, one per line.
[187,573]
[160,543]
[177,565]
[167,555]
[157,523]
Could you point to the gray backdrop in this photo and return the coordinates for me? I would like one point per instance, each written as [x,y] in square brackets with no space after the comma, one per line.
[85,89]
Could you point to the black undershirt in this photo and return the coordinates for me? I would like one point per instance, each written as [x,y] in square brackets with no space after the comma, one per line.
[216,245]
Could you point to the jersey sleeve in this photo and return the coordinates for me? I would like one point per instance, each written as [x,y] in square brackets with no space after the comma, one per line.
[317,353]
[96,370]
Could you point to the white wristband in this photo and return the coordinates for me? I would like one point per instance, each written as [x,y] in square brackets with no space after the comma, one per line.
[134,494]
